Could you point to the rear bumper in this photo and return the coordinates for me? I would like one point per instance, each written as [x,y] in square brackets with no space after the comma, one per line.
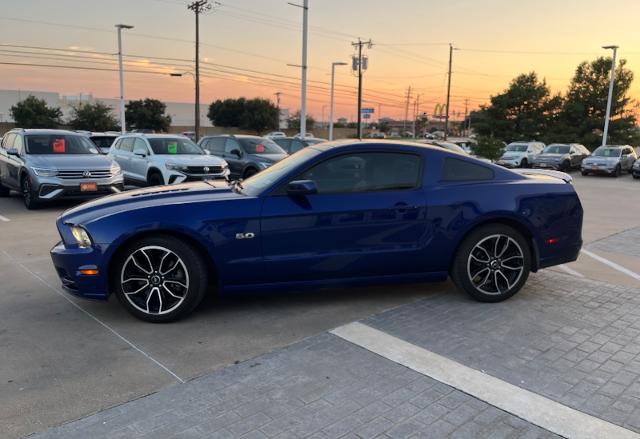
[69,261]
[562,256]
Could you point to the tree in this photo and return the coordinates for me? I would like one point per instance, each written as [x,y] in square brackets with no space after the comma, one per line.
[488,147]
[259,115]
[35,113]
[524,111]
[584,109]
[93,117]
[294,122]
[147,114]
[227,113]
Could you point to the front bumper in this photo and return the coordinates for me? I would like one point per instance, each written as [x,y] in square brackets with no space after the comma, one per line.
[53,188]
[509,163]
[556,166]
[176,177]
[69,261]
[598,169]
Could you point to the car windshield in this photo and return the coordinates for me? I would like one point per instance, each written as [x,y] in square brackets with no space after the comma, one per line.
[557,149]
[261,145]
[607,152]
[263,180]
[57,144]
[174,146]
[103,142]
[517,147]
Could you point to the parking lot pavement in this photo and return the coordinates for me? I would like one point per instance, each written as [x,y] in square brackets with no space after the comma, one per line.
[322,387]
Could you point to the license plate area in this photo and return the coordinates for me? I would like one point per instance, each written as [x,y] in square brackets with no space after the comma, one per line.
[88,187]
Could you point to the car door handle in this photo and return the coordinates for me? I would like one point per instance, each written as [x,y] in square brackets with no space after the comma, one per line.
[402,207]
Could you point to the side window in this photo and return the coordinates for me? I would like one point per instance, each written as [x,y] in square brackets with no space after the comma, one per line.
[461,170]
[18,143]
[284,144]
[140,147]
[231,145]
[366,172]
[216,145]
[127,144]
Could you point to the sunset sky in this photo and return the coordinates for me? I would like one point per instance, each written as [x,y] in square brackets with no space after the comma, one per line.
[246,45]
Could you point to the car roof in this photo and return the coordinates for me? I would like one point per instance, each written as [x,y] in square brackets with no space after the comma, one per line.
[43,131]
[153,136]
[376,142]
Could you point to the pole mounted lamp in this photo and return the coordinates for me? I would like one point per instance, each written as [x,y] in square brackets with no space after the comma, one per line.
[333,77]
[123,123]
[610,96]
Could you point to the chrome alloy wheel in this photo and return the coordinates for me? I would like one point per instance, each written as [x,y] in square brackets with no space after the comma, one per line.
[495,264]
[154,280]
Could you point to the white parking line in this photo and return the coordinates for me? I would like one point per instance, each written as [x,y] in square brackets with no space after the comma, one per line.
[611,264]
[103,324]
[4,218]
[570,271]
[534,408]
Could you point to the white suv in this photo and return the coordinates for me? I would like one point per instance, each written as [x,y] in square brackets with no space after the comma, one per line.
[157,159]
[520,154]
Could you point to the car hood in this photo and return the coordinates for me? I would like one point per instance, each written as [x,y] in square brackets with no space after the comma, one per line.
[512,154]
[70,161]
[551,156]
[149,197]
[596,159]
[270,158]
[193,160]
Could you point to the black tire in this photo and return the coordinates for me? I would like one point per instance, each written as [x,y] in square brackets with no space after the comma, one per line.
[4,191]
[524,163]
[518,255]
[617,172]
[585,173]
[29,197]
[155,179]
[637,177]
[192,272]
[249,173]
[566,166]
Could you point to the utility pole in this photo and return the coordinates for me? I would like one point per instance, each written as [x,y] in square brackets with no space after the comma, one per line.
[303,67]
[123,122]
[464,123]
[198,7]
[610,97]
[406,111]
[277,94]
[416,109]
[360,69]
[333,79]
[446,119]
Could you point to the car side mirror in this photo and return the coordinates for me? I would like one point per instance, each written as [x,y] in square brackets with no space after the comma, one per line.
[301,188]
[236,152]
[13,151]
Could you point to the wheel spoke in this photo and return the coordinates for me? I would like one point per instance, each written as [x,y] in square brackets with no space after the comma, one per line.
[504,248]
[139,279]
[171,292]
[486,277]
[148,260]
[175,265]
[135,262]
[138,290]
[175,282]
[501,274]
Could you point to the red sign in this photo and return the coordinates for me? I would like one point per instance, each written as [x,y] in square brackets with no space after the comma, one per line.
[259,148]
[58,146]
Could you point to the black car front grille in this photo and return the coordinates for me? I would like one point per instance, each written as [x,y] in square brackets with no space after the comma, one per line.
[204,170]
[84,174]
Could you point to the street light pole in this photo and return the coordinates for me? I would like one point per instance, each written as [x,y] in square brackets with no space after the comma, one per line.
[123,122]
[446,119]
[610,97]
[333,78]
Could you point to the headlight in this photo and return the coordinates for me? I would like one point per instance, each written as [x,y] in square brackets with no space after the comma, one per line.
[115,169]
[43,172]
[176,167]
[81,236]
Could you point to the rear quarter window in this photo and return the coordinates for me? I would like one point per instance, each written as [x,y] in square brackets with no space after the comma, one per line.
[462,170]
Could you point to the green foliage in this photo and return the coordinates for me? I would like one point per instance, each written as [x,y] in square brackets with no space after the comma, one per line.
[35,113]
[524,111]
[93,117]
[147,114]
[488,147]
[294,122]
[257,115]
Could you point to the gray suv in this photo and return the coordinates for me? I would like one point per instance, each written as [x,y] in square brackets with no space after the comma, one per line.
[610,159]
[157,159]
[246,155]
[45,165]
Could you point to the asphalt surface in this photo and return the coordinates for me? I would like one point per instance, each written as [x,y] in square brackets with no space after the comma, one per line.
[63,359]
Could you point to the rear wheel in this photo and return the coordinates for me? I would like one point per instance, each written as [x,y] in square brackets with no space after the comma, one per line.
[159,279]
[29,197]
[250,172]
[155,179]
[492,263]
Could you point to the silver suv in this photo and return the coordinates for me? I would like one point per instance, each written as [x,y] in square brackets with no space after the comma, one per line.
[157,159]
[45,165]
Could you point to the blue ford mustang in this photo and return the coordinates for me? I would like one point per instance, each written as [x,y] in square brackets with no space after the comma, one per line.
[336,213]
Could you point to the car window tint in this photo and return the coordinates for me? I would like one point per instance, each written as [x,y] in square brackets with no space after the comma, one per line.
[230,145]
[127,144]
[462,170]
[216,145]
[365,172]
[284,144]
[139,147]
[103,142]
[296,146]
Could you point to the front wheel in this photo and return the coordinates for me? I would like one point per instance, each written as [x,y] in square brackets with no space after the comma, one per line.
[492,263]
[617,172]
[29,197]
[585,173]
[156,179]
[159,279]
[524,163]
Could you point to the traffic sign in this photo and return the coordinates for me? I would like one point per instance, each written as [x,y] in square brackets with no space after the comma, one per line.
[367,111]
